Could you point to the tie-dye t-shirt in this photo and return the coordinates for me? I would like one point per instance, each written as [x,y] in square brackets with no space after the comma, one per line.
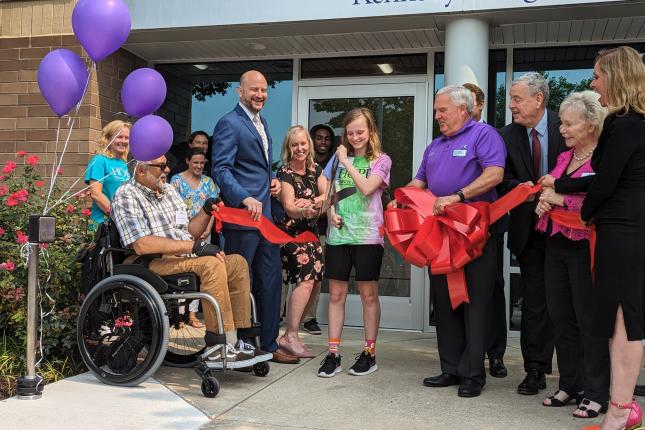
[362,216]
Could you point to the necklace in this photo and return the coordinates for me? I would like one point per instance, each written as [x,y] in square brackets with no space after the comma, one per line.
[584,157]
[302,169]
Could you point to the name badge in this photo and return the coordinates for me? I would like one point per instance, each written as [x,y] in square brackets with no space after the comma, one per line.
[181,218]
[459,153]
[587,174]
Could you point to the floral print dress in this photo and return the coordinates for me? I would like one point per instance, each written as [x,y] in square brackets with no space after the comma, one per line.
[195,197]
[300,261]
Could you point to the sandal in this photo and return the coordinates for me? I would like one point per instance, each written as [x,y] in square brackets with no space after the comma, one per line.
[557,403]
[589,409]
[193,321]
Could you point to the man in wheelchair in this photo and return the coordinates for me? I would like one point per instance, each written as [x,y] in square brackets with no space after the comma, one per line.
[152,219]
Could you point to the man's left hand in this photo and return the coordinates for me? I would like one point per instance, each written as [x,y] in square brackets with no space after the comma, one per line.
[212,204]
[275,187]
[441,203]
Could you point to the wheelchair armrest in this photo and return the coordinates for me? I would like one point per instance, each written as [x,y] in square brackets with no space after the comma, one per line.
[144,273]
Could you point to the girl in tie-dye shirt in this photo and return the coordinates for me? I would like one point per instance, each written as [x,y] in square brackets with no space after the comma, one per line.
[360,171]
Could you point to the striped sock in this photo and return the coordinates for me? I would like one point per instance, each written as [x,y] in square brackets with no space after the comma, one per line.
[370,346]
[334,346]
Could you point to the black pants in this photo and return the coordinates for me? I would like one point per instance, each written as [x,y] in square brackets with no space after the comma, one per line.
[536,336]
[583,359]
[462,333]
[498,328]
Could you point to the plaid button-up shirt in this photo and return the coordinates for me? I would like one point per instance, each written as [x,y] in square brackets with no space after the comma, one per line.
[139,211]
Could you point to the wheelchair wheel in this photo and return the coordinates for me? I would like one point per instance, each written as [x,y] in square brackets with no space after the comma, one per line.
[210,387]
[122,330]
[185,342]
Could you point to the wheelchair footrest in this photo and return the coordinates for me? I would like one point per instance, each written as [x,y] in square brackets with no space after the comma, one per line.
[249,332]
[242,360]
[219,364]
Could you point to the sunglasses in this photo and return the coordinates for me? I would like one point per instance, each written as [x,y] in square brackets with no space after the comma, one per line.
[161,166]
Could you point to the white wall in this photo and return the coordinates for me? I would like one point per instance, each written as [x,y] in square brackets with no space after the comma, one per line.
[151,14]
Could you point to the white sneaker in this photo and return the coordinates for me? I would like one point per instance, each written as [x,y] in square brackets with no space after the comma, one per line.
[234,359]
[250,350]
[245,348]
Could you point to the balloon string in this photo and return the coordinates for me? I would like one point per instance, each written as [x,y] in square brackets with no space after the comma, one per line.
[60,161]
[70,123]
[51,183]
[62,199]
[85,171]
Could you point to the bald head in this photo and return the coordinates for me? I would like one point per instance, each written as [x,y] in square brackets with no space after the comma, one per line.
[253,90]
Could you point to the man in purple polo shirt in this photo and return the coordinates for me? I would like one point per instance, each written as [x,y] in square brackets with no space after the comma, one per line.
[465,163]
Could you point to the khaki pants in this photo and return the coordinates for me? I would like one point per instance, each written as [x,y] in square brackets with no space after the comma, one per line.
[227,282]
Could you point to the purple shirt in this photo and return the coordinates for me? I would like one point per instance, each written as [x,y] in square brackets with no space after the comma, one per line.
[452,162]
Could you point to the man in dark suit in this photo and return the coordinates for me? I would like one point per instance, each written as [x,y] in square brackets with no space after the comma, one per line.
[242,169]
[533,142]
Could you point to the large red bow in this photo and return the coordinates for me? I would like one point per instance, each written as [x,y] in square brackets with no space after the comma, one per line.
[447,242]
[267,229]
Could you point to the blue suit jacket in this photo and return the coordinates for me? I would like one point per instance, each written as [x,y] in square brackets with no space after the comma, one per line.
[239,166]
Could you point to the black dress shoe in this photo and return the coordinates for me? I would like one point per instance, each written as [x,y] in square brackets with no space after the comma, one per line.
[469,388]
[443,380]
[533,383]
[639,390]
[496,368]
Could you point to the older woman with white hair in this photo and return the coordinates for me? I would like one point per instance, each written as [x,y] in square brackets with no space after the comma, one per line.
[583,359]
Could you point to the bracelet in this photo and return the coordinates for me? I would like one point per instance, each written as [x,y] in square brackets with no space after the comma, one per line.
[460,193]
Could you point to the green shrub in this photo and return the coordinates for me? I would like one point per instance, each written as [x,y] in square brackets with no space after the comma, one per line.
[23,192]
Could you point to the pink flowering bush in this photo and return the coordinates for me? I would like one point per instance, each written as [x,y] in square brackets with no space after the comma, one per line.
[23,192]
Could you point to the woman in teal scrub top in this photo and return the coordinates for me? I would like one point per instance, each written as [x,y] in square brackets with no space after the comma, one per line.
[107,170]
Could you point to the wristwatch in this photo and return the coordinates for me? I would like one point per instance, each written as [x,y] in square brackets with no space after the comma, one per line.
[460,193]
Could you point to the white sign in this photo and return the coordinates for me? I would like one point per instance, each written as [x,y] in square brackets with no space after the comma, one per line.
[152,14]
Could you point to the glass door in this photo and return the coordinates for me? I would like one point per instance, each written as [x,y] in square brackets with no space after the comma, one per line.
[400,111]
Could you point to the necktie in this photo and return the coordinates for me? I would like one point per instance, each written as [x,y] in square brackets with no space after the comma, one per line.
[537,153]
[260,128]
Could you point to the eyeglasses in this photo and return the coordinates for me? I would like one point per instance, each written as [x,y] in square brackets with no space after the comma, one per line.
[161,166]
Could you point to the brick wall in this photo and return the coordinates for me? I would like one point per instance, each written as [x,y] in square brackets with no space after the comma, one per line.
[178,105]
[35,17]
[26,121]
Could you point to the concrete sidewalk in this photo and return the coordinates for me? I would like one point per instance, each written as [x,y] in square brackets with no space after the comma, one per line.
[293,397]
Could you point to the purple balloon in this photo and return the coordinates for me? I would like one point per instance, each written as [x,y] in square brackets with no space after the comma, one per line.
[62,78]
[143,92]
[150,138]
[101,26]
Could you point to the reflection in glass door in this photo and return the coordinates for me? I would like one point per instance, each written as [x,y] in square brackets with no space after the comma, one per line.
[401,286]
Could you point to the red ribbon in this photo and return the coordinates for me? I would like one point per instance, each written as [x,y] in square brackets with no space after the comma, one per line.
[447,242]
[267,229]
[572,220]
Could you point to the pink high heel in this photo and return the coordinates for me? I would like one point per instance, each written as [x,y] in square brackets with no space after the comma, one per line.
[634,420]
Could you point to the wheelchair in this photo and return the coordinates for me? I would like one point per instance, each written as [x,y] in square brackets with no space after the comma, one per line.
[131,321]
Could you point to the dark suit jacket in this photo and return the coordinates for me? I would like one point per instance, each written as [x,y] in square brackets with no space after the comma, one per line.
[519,169]
[239,166]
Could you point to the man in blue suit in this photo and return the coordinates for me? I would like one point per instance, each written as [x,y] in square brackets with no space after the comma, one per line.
[242,169]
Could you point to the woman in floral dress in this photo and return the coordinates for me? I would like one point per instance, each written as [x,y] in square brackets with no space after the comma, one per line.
[302,195]
[195,187]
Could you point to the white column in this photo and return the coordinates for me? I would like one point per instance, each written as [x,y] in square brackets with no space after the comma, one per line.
[466,57]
